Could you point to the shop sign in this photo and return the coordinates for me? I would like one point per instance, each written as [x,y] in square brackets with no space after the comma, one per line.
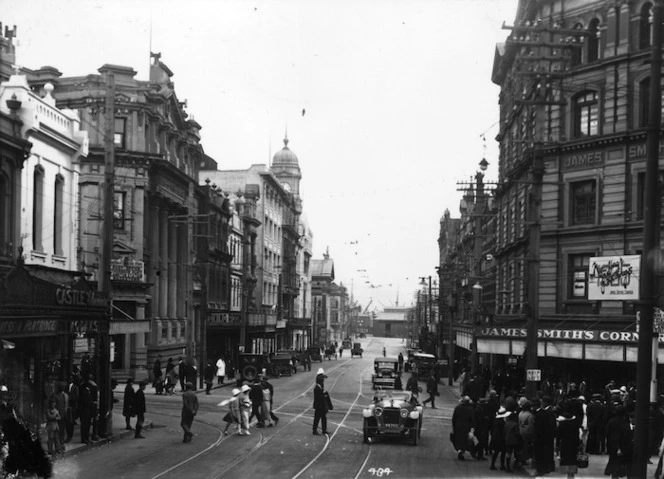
[82,326]
[533,374]
[565,335]
[222,318]
[614,278]
[591,159]
[77,297]
[81,345]
[29,326]
[126,269]
[639,150]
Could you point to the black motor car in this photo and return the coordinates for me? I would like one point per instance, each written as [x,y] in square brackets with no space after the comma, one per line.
[357,350]
[251,365]
[385,373]
[314,354]
[424,364]
[393,416]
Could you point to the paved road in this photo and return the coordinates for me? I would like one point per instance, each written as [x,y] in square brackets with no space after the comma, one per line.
[288,450]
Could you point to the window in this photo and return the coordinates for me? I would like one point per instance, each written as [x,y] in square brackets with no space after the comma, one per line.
[593,41]
[37,208]
[641,193]
[583,202]
[578,276]
[576,52]
[586,114]
[645,26]
[119,210]
[57,215]
[644,103]
[120,134]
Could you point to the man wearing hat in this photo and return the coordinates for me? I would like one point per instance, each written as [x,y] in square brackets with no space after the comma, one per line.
[256,397]
[189,410]
[497,444]
[139,408]
[320,402]
[545,432]
[597,416]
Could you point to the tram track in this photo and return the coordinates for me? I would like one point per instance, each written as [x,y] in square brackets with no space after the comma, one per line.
[262,438]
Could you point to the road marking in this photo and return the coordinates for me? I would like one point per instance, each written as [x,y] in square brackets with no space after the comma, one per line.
[364,463]
[328,437]
[215,444]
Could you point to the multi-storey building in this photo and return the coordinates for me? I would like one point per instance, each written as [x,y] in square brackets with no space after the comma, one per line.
[300,324]
[50,315]
[328,302]
[157,156]
[271,302]
[575,82]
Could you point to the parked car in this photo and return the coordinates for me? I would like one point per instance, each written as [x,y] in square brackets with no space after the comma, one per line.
[357,350]
[393,416]
[251,365]
[345,344]
[424,364]
[385,373]
[281,363]
[314,354]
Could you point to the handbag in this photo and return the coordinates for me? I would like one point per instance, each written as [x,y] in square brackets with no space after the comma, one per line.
[582,460]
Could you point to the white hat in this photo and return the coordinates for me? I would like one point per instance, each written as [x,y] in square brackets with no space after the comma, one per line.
[320,371]
[4,389]
[581,398]
[235,391]
[245,388]
[502,412]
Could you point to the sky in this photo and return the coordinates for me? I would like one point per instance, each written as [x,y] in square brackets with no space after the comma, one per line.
[387,104]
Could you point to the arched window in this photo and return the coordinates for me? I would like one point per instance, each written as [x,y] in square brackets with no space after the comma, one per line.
[645,26]
[576,52]
[586,114]
[37,208]
[58,224]
[593,41]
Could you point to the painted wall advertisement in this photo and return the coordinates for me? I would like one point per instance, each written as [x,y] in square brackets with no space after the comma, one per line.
[614,278]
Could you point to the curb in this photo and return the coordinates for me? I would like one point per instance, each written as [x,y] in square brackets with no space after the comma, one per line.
[102,441]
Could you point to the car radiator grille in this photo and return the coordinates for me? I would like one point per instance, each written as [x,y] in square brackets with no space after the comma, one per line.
[391,416]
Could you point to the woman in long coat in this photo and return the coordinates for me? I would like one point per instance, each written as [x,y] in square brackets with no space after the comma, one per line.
[497,444]
[567,439]
[129,403]
[618,444]
[463,420]
[512,439]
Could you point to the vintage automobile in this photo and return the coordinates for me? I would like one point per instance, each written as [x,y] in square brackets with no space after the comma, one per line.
[423,364]
[385,373]
[281,363]
[356,350]
[251,365]
[314,354]
[393,416]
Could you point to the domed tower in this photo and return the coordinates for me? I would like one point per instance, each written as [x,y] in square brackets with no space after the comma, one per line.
[286,168]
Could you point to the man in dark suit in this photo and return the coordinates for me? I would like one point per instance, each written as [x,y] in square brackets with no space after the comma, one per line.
[139,409]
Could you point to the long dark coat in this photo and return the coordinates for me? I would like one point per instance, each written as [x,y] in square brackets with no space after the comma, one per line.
[139,402]
[463,419]
[129,401]
[545,433]
[618,439]
[567,436]
[498,435]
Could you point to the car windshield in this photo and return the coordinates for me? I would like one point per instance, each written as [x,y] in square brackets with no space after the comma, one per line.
[385,365]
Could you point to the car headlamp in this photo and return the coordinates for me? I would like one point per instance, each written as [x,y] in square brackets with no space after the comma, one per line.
[367,413]
[404,413]
[378,411]
[414,415]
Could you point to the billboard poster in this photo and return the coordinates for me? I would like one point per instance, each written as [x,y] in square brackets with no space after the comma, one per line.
[614,278]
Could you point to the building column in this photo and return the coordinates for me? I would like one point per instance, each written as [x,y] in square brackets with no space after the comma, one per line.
[154,265]
[163,260]
[139,352]
[172,269]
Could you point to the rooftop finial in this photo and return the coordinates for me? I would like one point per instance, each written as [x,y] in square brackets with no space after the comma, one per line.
[286,137]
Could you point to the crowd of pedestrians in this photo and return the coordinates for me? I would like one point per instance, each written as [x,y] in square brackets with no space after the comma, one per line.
[566,422]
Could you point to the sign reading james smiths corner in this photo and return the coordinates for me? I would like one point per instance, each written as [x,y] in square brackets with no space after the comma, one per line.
[565,335]
[596,158]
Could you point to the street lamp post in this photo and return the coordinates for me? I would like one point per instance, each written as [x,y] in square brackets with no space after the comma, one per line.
[427,315]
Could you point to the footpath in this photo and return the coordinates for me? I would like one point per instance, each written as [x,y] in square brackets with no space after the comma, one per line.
[75,446]
[596,463]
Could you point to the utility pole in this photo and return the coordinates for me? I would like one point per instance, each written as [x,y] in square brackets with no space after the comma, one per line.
[651,246]
[105,421]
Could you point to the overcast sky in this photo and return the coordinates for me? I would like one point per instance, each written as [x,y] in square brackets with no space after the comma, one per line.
[396,97]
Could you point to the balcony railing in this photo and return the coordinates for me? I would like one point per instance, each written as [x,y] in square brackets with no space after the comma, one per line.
[262,319]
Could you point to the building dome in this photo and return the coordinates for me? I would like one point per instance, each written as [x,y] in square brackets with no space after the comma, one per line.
[285,157]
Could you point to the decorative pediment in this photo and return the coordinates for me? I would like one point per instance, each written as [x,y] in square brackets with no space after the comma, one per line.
[122,249]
